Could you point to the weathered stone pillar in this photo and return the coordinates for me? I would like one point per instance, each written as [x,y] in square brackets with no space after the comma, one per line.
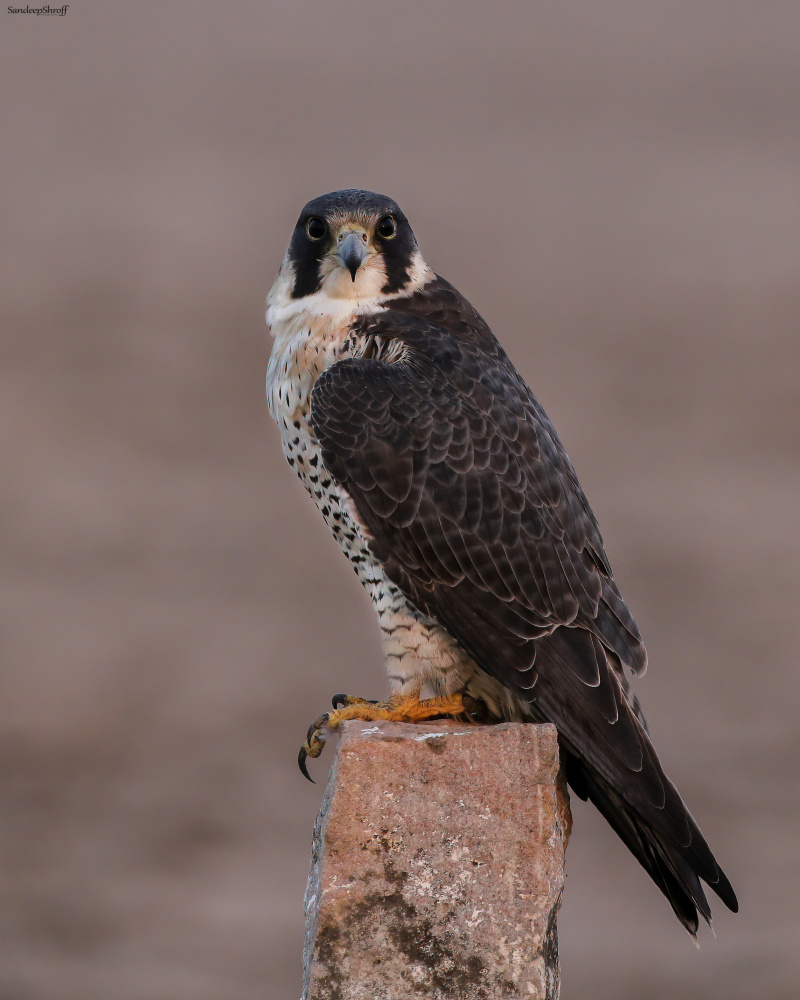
[437,865]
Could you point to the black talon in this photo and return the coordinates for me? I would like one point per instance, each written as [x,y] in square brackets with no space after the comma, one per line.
[301,760]
[476,708]
[470,704]
[342,700]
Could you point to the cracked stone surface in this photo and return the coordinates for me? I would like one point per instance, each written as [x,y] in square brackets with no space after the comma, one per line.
[437,864]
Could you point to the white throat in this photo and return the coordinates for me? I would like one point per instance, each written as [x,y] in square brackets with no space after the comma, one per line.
[339,297]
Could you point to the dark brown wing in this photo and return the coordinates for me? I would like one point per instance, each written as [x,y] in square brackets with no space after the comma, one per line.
[476,514]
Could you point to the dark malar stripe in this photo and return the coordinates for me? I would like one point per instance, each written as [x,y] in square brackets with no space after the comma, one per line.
[397,255]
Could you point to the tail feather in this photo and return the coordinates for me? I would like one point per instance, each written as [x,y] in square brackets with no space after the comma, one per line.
[664,861]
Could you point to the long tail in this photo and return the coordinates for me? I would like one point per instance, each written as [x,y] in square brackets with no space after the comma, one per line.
[677,877]
[611,761]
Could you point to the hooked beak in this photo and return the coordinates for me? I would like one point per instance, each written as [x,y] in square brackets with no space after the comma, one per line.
[352,251]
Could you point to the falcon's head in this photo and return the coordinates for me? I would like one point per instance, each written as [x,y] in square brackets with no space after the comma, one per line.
[352,245]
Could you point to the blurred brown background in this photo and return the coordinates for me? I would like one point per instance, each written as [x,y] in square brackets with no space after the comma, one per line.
[615,186]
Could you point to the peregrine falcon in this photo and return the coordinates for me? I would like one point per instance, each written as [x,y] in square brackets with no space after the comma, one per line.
[448,489]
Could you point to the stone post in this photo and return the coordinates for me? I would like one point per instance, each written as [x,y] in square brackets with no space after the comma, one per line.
[437,865]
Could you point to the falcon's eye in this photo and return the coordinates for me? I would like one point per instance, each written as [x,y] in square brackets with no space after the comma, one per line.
[386,228]
[316,229]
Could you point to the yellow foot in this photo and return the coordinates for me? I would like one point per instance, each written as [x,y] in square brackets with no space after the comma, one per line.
[398,708]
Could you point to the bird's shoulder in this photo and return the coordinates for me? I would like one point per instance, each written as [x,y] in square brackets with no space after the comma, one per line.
[434,349]
[449,395]
[435,313]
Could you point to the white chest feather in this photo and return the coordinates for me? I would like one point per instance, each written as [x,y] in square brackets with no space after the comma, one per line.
[305,345]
